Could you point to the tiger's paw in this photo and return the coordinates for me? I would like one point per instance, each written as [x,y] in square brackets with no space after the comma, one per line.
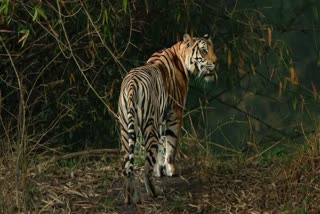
[151,189]
[158,171]
[169,170]
[132,198]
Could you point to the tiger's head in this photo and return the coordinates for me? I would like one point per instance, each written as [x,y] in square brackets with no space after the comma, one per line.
[200,57]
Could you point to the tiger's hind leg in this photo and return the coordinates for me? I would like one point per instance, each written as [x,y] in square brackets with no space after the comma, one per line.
[151,145]
[171,133]
[158,167]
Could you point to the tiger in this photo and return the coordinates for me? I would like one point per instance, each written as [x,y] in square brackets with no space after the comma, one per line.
[153,96]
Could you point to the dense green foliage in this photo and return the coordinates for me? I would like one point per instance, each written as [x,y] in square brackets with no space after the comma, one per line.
[62,63]
[61,66]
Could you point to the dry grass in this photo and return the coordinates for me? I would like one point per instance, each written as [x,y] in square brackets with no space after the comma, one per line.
[203,186]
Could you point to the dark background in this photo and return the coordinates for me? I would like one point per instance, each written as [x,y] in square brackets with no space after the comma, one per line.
[61,67]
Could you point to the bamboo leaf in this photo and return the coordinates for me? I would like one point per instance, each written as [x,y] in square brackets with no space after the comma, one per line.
[253,69]
[272,73]
[147,6]
[125,5]
[38,12]
[24,38]
[35,15]
[229,58]
[251,24]
[280,89]
[72,79]
[314,90]
[178,18]
[269,36]
[41,13]
[241,66]
[294,103]
[105,17]
[293,76]
[4,7]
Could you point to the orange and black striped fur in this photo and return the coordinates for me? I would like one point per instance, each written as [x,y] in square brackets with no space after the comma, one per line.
[154,95]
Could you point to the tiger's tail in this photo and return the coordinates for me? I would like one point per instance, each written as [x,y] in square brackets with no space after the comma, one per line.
[127,118]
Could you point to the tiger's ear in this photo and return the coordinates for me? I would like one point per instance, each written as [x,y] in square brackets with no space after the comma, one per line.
[206,36]
[188,40]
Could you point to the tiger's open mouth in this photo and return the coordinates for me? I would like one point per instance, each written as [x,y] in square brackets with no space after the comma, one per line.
[211,75]
[208,72]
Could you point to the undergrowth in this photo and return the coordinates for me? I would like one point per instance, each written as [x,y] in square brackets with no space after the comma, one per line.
[287,183]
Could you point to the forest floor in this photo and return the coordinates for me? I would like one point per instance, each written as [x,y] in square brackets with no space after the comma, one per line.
[203,185]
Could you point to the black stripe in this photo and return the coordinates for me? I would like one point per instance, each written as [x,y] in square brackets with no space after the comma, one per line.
[125,148]
[131,160]
[153,160]
[171,133]
[154,146]
[131,127]
[149,161]
[131,149]
[172,122]
[173,146]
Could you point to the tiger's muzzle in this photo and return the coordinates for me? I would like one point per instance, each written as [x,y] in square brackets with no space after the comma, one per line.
[210,73]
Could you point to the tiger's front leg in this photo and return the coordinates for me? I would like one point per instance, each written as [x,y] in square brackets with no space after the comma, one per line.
[172,132]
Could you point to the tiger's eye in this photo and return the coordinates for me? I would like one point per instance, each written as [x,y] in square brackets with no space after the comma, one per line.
[203,52]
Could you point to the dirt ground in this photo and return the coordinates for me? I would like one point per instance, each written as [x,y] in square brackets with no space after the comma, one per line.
[211,186]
